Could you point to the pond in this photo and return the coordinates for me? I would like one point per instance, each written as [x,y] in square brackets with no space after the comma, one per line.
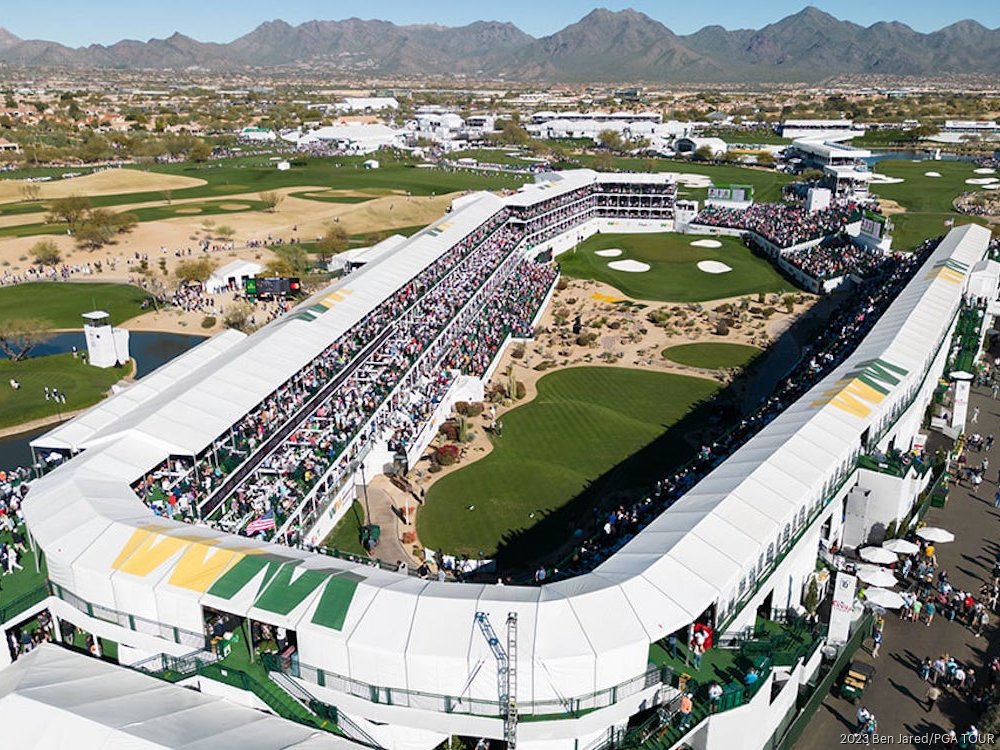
[150,349]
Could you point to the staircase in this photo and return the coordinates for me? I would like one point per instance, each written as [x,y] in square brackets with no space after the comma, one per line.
[322,710]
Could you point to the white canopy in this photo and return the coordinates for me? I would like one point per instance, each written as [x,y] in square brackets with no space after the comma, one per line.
[54,699]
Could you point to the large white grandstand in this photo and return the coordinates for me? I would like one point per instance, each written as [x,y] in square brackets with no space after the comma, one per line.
[358,376]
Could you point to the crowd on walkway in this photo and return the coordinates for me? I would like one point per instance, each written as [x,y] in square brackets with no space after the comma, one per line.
[783,225]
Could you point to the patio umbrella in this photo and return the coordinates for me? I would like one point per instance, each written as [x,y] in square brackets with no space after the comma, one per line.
[878,555]
[901,546]
[876,576]
[936,535]
[883,598]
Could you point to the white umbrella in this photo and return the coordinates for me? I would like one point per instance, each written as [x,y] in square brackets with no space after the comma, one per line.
[934,534]
[876,576]
[884,598]
[878,555]
[901,546]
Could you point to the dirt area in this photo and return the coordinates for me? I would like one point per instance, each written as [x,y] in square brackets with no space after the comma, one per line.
[108,182]
[889,207]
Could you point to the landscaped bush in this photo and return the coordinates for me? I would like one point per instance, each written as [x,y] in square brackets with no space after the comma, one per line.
[208,321]
[520,391]
[450,429]
[447,454]
[475,408]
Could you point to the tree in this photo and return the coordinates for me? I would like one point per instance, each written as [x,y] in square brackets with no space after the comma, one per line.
[225,232]
[19,337]
[335,240]
[811,175]
[31,191]
[46,253]
[271,200]
[124,223]
[704,153]
[239,316]
[194,270]
[69,210]
[611,140]
[200,152]
[92,234]
[812,596]
[290,260]
[512,134]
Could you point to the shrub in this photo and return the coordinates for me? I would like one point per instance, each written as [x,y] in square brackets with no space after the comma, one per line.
[520,391]
[721,329]
[518,351]
[562,284]
[462,407]
[446,454]
[208,321]
[450,429]
[475,409]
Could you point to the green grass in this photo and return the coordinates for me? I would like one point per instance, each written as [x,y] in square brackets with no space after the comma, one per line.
[83,385]
[712,356]
[187,210]
[674,275]
[491,156]
[61,304]
[927,200]
[557,456]
[13,587]
[346,535]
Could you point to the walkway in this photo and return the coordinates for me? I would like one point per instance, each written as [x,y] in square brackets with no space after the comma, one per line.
[383,501]
[896,697]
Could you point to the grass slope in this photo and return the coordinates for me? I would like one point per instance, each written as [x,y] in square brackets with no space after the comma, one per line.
[83,385]
[927,200]
[60,304]
[674,276]
[713,356]
[582,425]
[346,535]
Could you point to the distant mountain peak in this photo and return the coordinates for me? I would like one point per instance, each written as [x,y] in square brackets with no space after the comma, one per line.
[604,45]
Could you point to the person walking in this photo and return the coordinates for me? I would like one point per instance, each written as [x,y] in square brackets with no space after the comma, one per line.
[864,715]
[877,641]
[996,499]
[684,709]
[714,695]
[932,695]
[975,415]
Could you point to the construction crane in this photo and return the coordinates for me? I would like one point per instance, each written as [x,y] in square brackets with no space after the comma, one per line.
[506,671]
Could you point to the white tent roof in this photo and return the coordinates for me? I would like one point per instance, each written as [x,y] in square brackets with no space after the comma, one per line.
[53,699]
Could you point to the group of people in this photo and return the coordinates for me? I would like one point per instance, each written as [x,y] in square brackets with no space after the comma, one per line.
[783,225]
[837,256]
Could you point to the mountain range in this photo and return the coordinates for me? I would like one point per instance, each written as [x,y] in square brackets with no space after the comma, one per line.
[627,45]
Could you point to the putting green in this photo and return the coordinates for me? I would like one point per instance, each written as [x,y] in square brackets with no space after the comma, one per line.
[711,355]
[583,434]
[674,275]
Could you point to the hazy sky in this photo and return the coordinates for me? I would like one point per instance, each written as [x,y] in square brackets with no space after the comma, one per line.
[104,21]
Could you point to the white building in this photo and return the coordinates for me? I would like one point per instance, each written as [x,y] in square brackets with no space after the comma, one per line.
[232,276]
[354,138]
[253,134]
[820,128]
[368,104]
[107,346]
[691,144]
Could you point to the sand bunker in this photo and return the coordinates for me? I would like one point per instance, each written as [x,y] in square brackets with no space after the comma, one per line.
[108,182]
[713,266]
[694,180]
[885,179]
[984,170]
[187,210]
[707,243]
[932,174]
[611,252]
[234,206]
[629,266]
[981,181]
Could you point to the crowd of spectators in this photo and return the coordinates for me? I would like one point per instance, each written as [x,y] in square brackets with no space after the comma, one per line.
[839,255]
[608,531]
[783,225]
